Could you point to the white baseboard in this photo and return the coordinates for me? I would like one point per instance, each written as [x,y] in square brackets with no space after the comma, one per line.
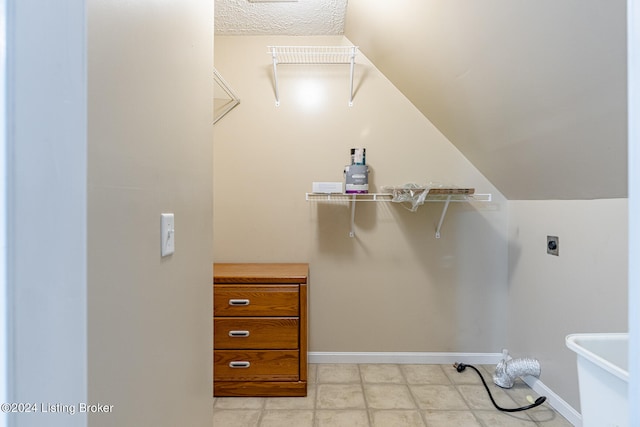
[438,358]
[435,358]
[554,400]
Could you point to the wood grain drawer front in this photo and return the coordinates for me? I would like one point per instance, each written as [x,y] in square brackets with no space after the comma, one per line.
[255,300]
[255,332]
[267,365]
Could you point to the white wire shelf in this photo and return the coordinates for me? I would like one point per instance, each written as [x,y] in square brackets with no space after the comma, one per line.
[221,106]
[388,197]
[453,195]
[312,55]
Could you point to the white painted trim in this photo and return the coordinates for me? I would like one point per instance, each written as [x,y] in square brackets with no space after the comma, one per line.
[4,304]
[427,358]
[47,206]
[633,88]
[556,402]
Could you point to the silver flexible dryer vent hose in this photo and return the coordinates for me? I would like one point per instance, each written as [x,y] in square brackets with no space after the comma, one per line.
[507,371]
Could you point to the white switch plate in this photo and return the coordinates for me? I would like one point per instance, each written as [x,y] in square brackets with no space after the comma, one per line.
[167,234]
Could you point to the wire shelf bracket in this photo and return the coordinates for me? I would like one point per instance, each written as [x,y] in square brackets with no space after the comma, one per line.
[312,55]
[224,98]
[386,197]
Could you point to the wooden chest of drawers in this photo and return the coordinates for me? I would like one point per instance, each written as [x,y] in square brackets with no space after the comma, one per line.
[260,329]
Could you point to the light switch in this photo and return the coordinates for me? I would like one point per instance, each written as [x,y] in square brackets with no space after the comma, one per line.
[167,234]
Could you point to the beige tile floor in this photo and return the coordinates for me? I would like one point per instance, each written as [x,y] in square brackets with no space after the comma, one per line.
[389,395]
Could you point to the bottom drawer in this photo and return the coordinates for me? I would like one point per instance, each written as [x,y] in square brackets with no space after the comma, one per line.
[261,365]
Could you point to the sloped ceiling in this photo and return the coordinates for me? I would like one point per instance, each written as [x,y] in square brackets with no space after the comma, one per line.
[533,92]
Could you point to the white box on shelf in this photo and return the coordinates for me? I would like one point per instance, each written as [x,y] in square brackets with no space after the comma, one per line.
[327,187]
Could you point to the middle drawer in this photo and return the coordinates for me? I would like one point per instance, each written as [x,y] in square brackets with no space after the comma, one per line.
[255,332]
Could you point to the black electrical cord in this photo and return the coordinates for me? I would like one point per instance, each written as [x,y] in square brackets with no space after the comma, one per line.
[539,401]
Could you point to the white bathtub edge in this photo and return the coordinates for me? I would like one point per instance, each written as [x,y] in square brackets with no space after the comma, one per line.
[573,345]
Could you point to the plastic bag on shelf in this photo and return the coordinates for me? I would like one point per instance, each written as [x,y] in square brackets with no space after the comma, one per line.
[411,195]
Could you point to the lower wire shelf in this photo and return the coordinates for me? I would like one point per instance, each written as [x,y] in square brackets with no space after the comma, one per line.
[445,196]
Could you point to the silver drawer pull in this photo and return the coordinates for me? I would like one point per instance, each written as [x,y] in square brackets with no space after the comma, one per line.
[239,302]
[238,334]
[239,364]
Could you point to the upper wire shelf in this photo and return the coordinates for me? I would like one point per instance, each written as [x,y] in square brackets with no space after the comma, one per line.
[313,55]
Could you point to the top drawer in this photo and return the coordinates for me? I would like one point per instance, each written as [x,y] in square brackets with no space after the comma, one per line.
[255,300]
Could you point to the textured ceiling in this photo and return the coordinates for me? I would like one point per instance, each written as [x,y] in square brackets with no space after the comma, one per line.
[303,17]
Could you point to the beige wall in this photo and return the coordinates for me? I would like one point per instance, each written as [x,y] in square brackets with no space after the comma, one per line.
[393,287]
[150,148]
[584,289]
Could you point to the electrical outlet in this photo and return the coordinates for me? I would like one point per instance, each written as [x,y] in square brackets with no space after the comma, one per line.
[553,245]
